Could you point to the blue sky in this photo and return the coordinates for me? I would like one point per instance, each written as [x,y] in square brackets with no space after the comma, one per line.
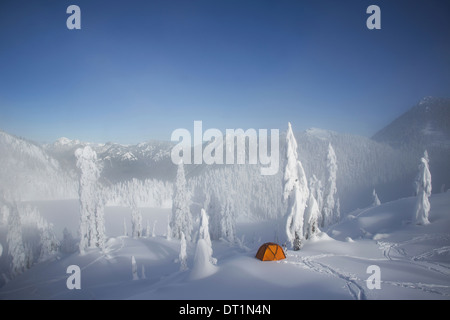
[137,70]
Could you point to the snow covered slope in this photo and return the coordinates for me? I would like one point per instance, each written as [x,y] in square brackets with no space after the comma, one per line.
[27,172]
[414,262]
[426,126]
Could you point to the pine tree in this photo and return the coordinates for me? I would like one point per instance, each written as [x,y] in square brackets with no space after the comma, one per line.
[134,269]
[16,248]
[181,218]
[330,214]
[228,221]
[423,191]
[68,243]
[125,230]
[154,229]
[147,229]
[204,234]
[48,242]
[169,231]
[295,192]
[214,208]
[136,220]
[376,201]
[91,219]
[183,255]
[312,215]
[316,188]
[100,223]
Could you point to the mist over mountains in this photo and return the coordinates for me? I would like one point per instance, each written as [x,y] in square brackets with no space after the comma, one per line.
[387,162]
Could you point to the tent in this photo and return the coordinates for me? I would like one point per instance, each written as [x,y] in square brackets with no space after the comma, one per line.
[270,252]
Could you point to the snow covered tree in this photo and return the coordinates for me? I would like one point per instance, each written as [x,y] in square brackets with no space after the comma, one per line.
[147,229]
[154,229]
[183,255]
[423,191]
[330,214]
[316,188]
[204,234]
[100,235]
[312,215]
[5,214]
[214,208]
[204,263]
[134,269]
[125,229]
[295,192]
[16,248]
[169,231]
[48,243]
[181,218]
[376,201]
[228,220]
[91,224]
[136,220]
[68,243]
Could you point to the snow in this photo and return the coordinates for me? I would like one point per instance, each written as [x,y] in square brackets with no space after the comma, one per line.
[202,261]
[414,261]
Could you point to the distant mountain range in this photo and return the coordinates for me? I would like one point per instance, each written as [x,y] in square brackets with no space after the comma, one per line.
[120,162]
[388,161]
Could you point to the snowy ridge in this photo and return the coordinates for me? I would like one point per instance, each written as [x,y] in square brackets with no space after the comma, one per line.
[27,172]
[423,126]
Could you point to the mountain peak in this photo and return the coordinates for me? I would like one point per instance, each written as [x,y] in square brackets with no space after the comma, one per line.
[426,124]
[63,141]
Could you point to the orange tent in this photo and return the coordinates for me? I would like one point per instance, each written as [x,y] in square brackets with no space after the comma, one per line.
[270,252]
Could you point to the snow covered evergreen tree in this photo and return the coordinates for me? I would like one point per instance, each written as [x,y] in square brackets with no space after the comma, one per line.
[295,192]
[91,220]
[48,243]
[68,243]
[228,220]
[330,212]
[100,234]
[183,255]
[147,229]
[134,268]
[214,209]
[154,229]
[316,188]
[376,201]
[312,215]
[423,191]
[16,248]
[5,214]
[143,276]
[204,263]
[125,229]
[136,220]
[204,234]
[181,218]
